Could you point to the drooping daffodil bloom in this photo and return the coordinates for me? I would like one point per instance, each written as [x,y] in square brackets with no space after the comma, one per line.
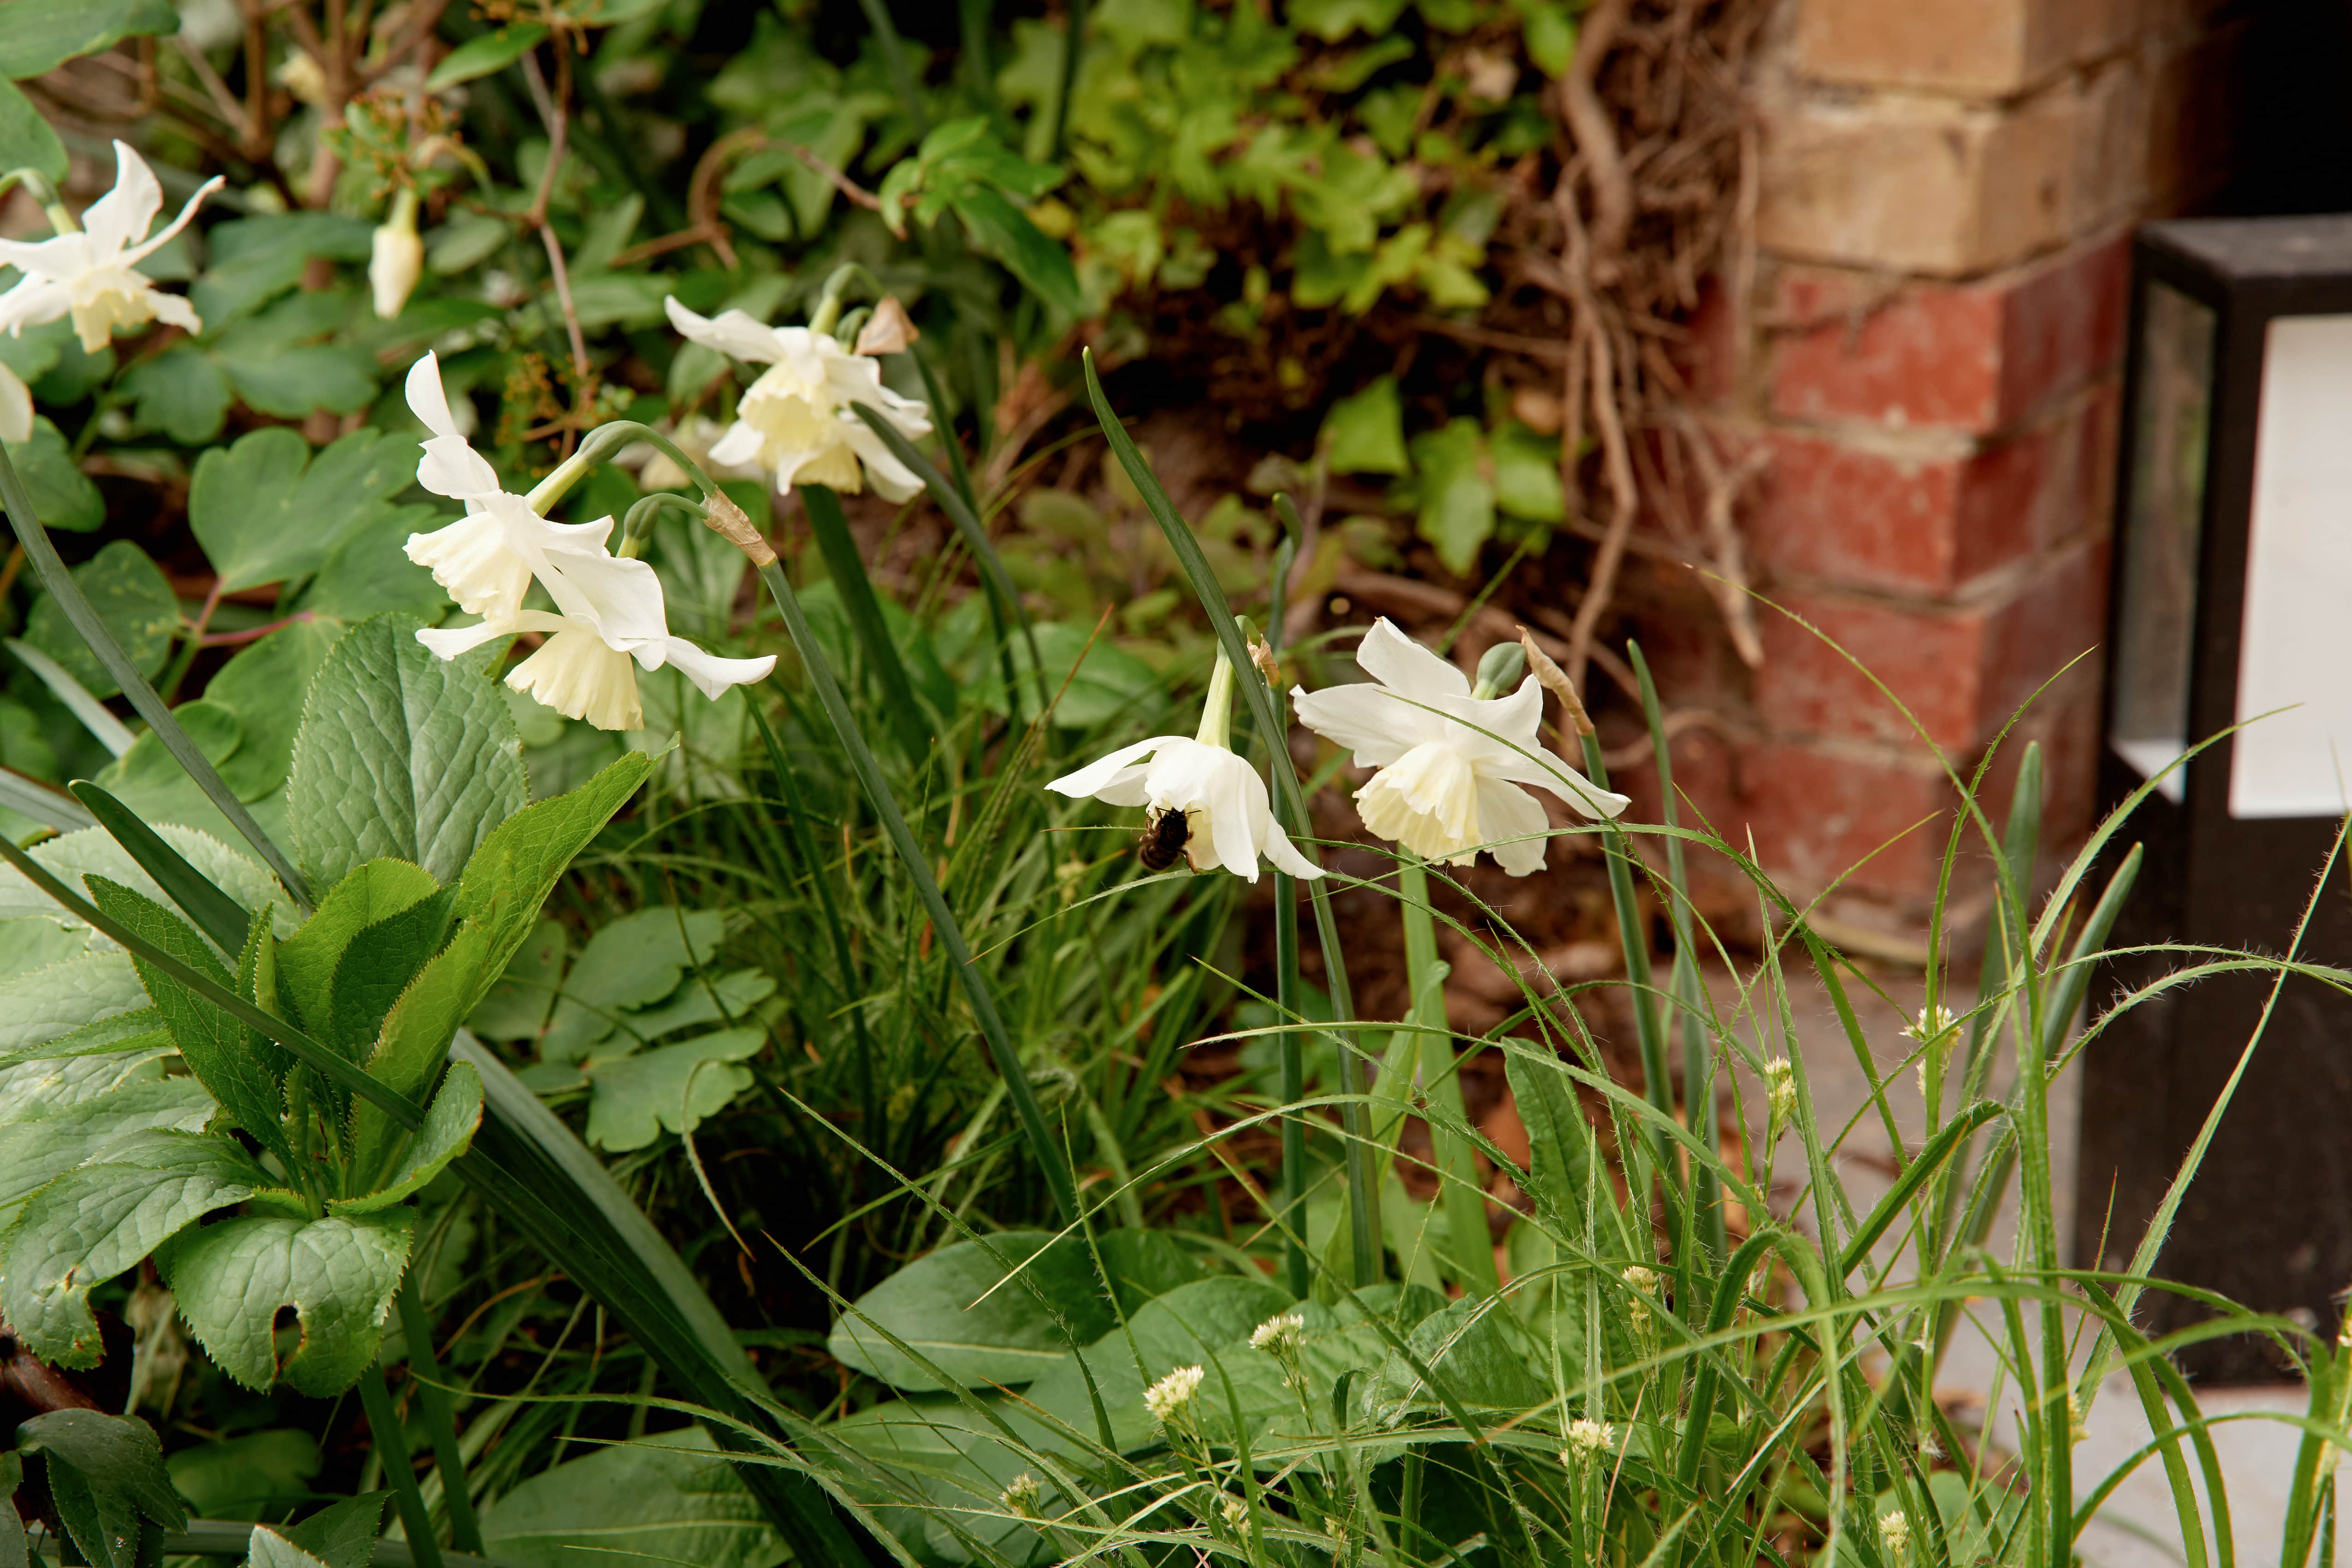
[1228,818]
[91,274]
[1452,766]
[587,667]
[795,421]
[487,558]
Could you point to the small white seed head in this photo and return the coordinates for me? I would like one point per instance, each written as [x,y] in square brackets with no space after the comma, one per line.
[1781,1087]
[1280,1334]
[1021,1496]
[1587,1438]
[1169,1397]
[1235,1509]
[1895,1530]
[1932,1025]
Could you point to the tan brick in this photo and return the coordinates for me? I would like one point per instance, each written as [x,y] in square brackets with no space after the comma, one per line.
[1979,48]
[1920,187]
[2111,152]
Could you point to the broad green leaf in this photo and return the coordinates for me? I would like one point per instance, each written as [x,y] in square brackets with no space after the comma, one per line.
[999,228]
[670,1086]
[664,1501]
[1476,1347]
[27,142]
[400,753]
[377,966]
[141,1030]
[180,393]
[516,1007]
[957,1460]
[633,962]
[15,1550]
[131,595]
[1364,432]
[36,36]
[417,1035]
[30,944]
[42,1088]
[1107,683]
[1456,490]
[72,857]
[370,893]
[242,1477]
[37,1150]
[369,572]
[267,1548]
[703,1000]
[342,1534]
[255,260]
[151,782]
[63,496]
[98,1219]
[448,1131]
[491,51]
[266,510]
[105,1474]
[291,381]
[259,686]
[337,1273]
[1549,28]
[934,1307]
[243,1067]
[1527,473]
[43,1004]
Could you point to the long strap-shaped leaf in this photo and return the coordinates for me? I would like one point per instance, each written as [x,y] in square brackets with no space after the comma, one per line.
[1041,1145]
[85,619]
[864,616]
[522,1171]
[42,803]
[1364,1196]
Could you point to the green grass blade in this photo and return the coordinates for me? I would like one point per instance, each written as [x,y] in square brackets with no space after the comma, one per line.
[85,620]
[1043,1146]
[95,716]
[847,569]
[392,1447]
[217,914]
[1648,1032]
[894,56]
[42,803]
[465,1529]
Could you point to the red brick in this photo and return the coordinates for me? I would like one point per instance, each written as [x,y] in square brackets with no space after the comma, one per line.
[1959,671]
[1819,812]
[1971,358]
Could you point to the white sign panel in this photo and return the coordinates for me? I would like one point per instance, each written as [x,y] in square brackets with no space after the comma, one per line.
[2297,646]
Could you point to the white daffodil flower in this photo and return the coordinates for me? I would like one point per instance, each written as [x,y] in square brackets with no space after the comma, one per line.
[587,667]
[15,407]
[92,275]
[487,558]
[1451,765]
[1228,819]
[795,421]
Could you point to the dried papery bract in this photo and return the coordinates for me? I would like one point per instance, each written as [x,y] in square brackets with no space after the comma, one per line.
[732,524]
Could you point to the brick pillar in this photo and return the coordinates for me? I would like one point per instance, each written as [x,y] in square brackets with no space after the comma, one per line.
[1931,356]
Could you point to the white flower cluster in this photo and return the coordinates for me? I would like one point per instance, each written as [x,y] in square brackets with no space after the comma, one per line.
[1895,1533]
[1780,1087]
[1281,1334]
[1587,1439]
[1171,1396]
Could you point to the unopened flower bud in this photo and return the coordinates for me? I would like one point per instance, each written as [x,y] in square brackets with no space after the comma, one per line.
[397,257]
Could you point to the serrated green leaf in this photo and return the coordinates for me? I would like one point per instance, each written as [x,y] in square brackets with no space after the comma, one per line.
[1456,492]
[370,893]
[259,686]
[935,1305]
[266,510]
[400,753]
[1475,1347]
[663,1500]
[105,1474]
[369,572]
[44,1005]
[672,1087]
[140,1030]
[516,1007]
[243,1067]
[72,857]
[491,51]
[1364,432]
[450,1123]
[15,1550]
[267,1548]
[151,782]
[63,496]
[337,1273]
[41,1089]
[246,1474]
[181,394]
[377,966]
[27,142]
[36,36]
[416,1036]
[40,1149]
[98,1219]
[342,1534]
[508,879]
[1559,1140]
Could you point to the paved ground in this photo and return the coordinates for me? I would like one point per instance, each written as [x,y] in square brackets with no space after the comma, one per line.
[2137,1528]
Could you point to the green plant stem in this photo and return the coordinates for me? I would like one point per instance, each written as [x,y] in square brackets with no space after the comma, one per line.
[1441,1086]
[110,655]
[384,1425]
[1290,1049]
[440,1425]
[1043,1146]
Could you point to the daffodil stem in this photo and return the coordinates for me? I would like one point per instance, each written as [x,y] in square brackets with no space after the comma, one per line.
[827,314]
[1297,1272]
[61,217]
[1043,1145]
[602,444]
[1441,1087]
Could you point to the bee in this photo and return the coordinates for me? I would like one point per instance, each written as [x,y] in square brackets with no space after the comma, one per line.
[1164,834]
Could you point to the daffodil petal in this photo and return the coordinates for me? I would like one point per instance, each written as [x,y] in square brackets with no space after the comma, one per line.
[121,216]
[1395,661]
[1512,821]
[732,332]
[15,407]
[1367,718]
[711,674]
[1089,780]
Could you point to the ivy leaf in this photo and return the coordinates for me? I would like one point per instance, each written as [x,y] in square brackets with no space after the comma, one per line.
[296,381]
[63,496]
[1364,432]
[633,962]
[448,1131]
[401,753]
[27,142]
[337,1273]
[255,260]
[98,1219]
[134,599]
[266,510]
[672,1086]
[181,393]
[1549,31]
[478,56]
[258,686]
[36,36]
[369,572]
[1527,473]
[1456,491]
